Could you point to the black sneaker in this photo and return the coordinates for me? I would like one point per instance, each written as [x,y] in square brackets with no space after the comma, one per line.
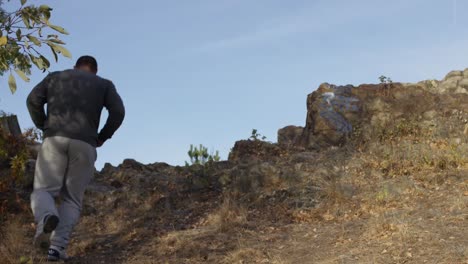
[56,253]
[50,223]
[44,228]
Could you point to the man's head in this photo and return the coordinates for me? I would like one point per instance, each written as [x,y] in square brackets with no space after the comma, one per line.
[87,63]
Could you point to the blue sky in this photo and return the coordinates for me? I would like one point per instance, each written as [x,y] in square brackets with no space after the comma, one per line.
[210,71]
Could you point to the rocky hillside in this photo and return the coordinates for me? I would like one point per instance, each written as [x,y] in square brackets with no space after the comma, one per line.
[378,174]
[336,114]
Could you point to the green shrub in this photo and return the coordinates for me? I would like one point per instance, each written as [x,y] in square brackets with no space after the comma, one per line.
[387,84]
[200,156]
[14,154]
[256,136]
[385,80]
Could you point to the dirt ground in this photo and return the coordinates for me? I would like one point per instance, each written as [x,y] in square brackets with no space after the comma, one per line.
[414,224]
[415,219]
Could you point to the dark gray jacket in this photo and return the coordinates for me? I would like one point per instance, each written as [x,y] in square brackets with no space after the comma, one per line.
[75,100]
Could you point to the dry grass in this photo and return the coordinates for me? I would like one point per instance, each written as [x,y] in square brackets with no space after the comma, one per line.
[16,243]
[229,216]
[400,200]
[245,255]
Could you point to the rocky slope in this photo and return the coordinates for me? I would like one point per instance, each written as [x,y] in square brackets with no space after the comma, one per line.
[336,112]
[378,174]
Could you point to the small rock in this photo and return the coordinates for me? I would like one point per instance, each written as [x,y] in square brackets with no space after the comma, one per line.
[449,85]
[430,115]
[465,73]
[131,164]
[453,74]
[460,90]
[108,169]
[463,83]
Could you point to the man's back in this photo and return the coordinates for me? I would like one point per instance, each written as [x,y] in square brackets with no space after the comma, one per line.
[75,100]
[65,163]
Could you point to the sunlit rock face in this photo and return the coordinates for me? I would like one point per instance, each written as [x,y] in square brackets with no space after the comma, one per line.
[337,113]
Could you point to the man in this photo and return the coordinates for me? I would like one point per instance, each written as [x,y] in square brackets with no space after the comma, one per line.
[65,164]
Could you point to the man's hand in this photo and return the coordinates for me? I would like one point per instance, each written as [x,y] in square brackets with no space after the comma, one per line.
[100,143]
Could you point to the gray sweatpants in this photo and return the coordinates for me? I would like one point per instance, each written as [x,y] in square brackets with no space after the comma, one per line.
[64,168]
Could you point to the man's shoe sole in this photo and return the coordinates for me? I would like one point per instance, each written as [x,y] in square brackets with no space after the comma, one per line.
[50,224]
[42,241]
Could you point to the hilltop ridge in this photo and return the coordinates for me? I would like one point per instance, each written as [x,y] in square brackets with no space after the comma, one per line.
[378,174]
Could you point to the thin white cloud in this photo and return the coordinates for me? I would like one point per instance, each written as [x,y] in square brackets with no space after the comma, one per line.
[273,31]
[314,19]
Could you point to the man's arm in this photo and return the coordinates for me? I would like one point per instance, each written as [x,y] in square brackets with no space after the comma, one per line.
[36,101]
[115,106]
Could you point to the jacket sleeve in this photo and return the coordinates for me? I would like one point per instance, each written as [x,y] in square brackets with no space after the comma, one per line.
[36,101]
[114,105]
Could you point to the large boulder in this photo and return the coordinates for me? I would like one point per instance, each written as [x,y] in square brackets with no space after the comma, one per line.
[337,113]
[290,135]
[9,125]
[455,82]
[329,110]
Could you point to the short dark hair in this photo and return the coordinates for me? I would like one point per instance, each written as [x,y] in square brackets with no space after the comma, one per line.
[88,61]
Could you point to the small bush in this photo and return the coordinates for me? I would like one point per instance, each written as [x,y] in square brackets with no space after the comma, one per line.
[200,156]
[14,154]
[387,84]
[385,80]
[256,136]
[14,151]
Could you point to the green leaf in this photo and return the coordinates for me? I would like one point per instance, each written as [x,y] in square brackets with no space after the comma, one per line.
[53,52]
[22,75]
[18,34]
[39,62]
[23,2]
[12,83]
[34,40]
[45,18]
[59,29]
[45,61]
[25,18]
[35,60]
[45,7]
[62,50]
[57,41]
[3,41]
